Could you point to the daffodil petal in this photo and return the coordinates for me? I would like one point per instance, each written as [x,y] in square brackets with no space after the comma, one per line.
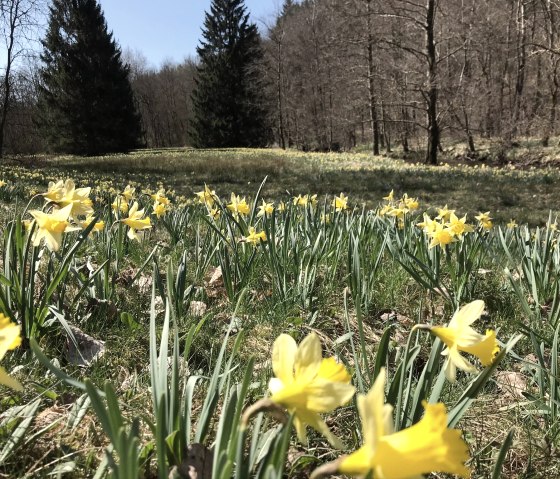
[358,463]
[308,359]
[283,357]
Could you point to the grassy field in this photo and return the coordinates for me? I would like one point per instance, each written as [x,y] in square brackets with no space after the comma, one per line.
[191,299]
[527,194]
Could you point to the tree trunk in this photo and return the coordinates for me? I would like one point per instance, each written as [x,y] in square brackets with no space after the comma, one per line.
[371,84]
[432,93]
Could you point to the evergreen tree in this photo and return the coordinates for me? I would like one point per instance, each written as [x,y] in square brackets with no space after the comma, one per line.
[228,100]
[85,98]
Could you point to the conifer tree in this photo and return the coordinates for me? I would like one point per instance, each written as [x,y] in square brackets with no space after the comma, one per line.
[85,98]
[228,101]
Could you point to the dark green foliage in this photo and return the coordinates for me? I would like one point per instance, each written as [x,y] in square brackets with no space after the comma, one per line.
[228,100]
[85,98]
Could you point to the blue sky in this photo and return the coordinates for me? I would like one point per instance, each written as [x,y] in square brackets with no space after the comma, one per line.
[168,29]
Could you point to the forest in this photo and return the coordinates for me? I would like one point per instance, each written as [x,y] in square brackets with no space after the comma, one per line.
[396,73]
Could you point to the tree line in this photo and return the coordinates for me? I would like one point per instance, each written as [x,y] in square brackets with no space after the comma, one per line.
[331,74]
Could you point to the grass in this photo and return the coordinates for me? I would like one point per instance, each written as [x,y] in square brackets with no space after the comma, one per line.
[319,296]
[527,195]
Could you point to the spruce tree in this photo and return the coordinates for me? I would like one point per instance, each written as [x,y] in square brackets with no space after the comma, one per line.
[228,100]
[85,98]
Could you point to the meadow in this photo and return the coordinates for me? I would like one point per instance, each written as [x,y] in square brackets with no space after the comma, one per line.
[260,313]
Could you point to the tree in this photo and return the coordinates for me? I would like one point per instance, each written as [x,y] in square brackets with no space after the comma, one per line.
[18,24]
[85,98]
[228,101]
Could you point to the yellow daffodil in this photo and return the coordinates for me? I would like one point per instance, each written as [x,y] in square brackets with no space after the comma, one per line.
[385,210]
[427,446]
[265,209]
[206,196]
[2,183]
[9,339]
[50,227]
[281,207]
[441,236]
[397,212]
[390,196]
[428,225]
[55,191]
[160,209]
[135,222]
[99,225]
[120,204]
[160,197]
[300,200]
[78,198]
[485,220]
[308,385]
[340,203]
[459,336]
[552,226]
[444,213]
[254,237]
[128,193]
[214,213]
[238,205]
[458,227]
[409,203]
[512,224]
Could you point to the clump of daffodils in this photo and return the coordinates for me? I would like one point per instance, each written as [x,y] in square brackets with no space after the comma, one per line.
[161,203]
[445,228]
[305,200]
[398,208]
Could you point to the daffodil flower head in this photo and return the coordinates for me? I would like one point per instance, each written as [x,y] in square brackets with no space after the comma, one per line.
[50,226]
[160,209]
[9,339]
[444,213]
[512,224]
[441,236]
[206,196]
[160,197]
[78,198]
[238,205]
[265,209]
[427,446]
[458,336]
[458,226]
[128,193]
[99,225]
[55,191]
[484,220]
[136,222]
[390,197]
[340,203]
[254,237]
[308,385]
